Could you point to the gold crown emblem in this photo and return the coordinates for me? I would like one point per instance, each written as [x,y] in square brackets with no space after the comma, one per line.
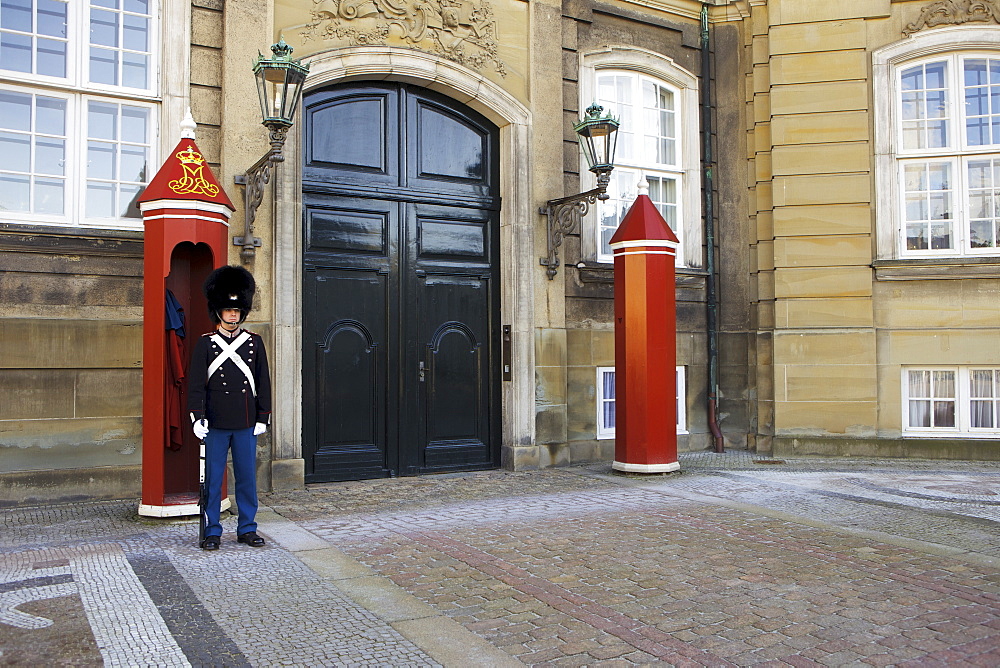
[190,156]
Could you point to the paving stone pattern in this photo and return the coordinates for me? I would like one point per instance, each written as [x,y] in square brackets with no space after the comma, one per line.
[152,598]
[737,560]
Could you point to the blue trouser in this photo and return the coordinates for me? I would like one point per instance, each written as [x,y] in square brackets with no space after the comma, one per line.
[244,445]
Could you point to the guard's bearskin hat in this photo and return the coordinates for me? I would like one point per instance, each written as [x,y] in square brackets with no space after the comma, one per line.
[231,286]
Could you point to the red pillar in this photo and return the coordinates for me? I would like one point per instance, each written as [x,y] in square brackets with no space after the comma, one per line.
[644,247]
[185,215]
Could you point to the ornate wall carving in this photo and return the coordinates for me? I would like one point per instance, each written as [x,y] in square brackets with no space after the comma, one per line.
[464,31]
[955,12]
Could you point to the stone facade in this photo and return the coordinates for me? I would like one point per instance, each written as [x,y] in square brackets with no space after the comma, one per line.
[819,316]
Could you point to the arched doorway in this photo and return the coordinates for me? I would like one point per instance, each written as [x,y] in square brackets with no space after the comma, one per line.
[400,283]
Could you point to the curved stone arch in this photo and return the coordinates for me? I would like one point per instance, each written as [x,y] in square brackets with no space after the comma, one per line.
[382,63]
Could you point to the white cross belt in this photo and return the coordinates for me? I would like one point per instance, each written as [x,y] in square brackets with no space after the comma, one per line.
[229,352]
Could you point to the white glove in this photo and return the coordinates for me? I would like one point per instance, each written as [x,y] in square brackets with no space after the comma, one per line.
[200,429]
[259,428]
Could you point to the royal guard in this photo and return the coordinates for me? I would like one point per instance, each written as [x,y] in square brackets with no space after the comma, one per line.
[229,397]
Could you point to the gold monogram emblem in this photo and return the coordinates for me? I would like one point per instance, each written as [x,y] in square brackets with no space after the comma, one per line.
[192,182]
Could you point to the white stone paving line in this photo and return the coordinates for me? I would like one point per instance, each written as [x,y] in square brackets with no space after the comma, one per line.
[125,622]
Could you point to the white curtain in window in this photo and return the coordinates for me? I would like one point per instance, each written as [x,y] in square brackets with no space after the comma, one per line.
[943,388]
[981,391]
[919,393]
[609,399]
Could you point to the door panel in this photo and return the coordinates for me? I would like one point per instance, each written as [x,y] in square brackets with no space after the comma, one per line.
[401,289]
[453,420]
[346,413]
[352,138]
[451,153]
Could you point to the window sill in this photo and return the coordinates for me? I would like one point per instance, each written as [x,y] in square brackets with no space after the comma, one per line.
[929,269]
[26,237]
[604,272]
[953,435]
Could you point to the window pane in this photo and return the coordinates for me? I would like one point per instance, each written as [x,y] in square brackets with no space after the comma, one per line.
[50,156]
[100,200]
[15,15]
[133,163]
[15,52]
[50,115]
[977,101]
[981,383]
[943,384]
[938,175]
[101,160]
[920,384]
[915,175]
[137,6]
[14,192]
[941,236]
[134,120]
[16,151]
[136,29]
[981,414]
[912,79]
[663,193]
[936,74]
[103,66]
[127,205]
[937,134]
[49,196]
[940,206]
[944,414]
[920,414]
[103,28]
[134,69]
[51,18]
[102,120]
[981,234]
[15,111]
[51,58]
[916,237]
[913,104]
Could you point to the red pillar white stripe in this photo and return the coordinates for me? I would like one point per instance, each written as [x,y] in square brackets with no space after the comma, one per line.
[644,250]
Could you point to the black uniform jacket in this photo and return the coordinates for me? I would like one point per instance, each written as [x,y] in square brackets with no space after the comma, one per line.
[226,398]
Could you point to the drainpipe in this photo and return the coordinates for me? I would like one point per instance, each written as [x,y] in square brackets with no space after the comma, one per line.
[711,296]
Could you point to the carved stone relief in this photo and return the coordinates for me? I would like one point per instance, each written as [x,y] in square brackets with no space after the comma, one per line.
[464,31]
[955,12]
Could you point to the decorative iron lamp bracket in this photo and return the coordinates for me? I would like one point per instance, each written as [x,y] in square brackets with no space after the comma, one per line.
[279,86]
[598,137]
[564,216]
[255,178]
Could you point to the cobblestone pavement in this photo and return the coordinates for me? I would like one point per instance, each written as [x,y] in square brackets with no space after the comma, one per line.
[735,560]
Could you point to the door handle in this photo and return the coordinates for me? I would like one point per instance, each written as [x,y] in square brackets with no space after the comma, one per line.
[420,371]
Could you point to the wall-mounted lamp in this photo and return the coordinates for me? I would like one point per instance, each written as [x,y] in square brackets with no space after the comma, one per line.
[279,86]
[598,135]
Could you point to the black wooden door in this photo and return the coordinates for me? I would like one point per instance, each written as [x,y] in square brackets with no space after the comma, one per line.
[400,284]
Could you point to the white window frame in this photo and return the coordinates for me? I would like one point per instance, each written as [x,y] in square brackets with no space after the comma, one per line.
[963,404]
[685,84]
[953,44]
[606,432]
[167,97]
